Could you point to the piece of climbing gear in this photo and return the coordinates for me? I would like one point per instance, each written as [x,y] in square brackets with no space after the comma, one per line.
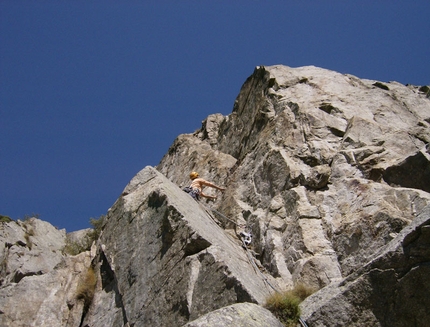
[194,175]
[252,261]
[187,189]
[246,238]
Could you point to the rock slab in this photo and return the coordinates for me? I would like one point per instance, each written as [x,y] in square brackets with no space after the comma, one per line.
[238,315]
[165,261]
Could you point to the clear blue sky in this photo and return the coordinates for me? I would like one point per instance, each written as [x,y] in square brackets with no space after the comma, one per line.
[93,91]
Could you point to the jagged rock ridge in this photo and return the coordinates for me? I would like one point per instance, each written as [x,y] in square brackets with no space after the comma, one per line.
[317,154]
[328,171]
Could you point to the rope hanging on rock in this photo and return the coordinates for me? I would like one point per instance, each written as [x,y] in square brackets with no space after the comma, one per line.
[246,238]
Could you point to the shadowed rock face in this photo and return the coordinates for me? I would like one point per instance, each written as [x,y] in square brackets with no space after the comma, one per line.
[414,172]
[390,290]
[330,174]
[166,261]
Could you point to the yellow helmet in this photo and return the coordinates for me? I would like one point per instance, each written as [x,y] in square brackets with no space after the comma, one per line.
[194,175]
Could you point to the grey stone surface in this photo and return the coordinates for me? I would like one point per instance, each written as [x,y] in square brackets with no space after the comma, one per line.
[238,315]
[390,290]
[30,247]
[167,260]
[39,284]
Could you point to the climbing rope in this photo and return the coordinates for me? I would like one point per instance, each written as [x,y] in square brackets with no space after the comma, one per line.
[252,261]
[302,322]
[245,238]
[220,214]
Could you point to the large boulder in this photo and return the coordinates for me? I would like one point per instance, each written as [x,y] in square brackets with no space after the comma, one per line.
[165,261]
[55,298]
[30,247]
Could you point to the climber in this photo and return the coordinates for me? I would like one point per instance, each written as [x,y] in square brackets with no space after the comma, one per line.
[197,184]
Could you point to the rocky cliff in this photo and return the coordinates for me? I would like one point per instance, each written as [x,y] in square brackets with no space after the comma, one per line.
[329,173]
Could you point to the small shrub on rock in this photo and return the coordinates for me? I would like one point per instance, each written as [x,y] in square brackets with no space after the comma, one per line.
[381,86]
[285,306]
[97,224]
[426,90]
[302,291]
[86,288]
[74,247]
[5,219]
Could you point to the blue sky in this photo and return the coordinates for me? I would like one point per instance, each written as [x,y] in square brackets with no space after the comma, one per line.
[93,91]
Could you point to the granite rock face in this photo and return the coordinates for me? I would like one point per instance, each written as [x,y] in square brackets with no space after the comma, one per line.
[328,172]
[30,247]
[164,260]
[39,284]
[238,315]
[328,169]
[325,168]
[390,290]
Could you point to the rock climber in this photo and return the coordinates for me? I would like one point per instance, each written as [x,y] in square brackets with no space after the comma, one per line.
[196,187]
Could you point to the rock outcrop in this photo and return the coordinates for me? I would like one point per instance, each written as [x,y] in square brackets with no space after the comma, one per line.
[164,261]
[390,290]
[237,315]
[330,173]
[31,247]
[329,167]
[39,284]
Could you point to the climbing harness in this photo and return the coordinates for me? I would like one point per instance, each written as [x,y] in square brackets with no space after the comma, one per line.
[195,193]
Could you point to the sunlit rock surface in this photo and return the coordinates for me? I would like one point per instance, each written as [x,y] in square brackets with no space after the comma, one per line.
[329,172]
